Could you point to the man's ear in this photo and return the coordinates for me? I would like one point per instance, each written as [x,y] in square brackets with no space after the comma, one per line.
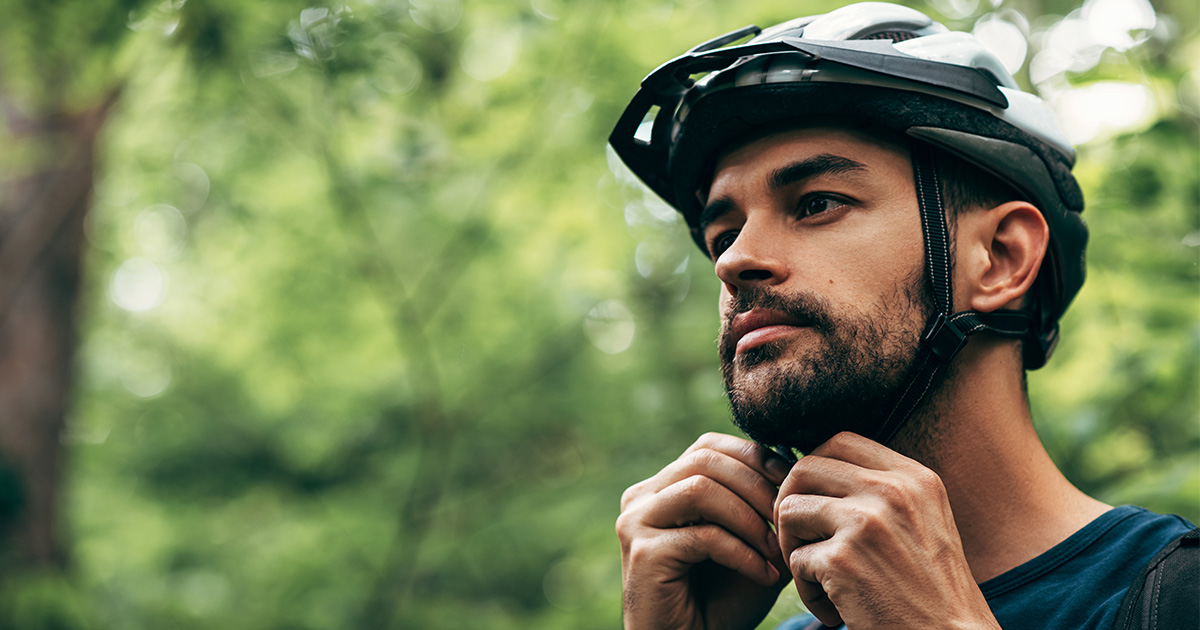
[1001,254]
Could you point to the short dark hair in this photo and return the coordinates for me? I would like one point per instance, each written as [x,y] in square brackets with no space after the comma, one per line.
[966,186]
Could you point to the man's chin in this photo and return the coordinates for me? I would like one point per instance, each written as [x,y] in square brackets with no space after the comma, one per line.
[747,362]
[803,437]
[801,404]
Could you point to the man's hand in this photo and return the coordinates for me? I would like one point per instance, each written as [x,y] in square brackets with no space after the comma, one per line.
[697,548]
[869,536]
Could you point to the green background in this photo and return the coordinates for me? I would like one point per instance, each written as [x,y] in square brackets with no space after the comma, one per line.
[398,331]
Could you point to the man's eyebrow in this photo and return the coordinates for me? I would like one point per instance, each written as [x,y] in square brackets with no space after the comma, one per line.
[823,164]
[715,209]
[798,171]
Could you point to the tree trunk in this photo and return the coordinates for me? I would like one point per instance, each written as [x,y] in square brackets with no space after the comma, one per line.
[41,249]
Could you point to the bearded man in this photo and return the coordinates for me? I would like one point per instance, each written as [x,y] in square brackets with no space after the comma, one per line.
[874,191]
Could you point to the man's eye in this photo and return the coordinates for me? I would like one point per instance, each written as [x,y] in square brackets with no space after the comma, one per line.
[818,203]
[722,242]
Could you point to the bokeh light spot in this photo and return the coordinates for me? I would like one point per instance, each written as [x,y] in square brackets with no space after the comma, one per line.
[489,53]
[956,9]
[1102,109]
[161,231]
[437,16]
[193,188]
[610,326]
[400,69]
[138,285]
[1005,40]
[1110,22]
[145,375]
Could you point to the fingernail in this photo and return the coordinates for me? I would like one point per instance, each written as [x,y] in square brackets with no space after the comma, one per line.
[772,574]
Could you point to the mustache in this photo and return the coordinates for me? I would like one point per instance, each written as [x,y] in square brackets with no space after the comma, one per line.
[806,307]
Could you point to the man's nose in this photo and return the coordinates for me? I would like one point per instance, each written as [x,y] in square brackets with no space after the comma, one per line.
[756,257]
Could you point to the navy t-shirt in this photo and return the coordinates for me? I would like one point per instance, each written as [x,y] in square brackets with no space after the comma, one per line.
[1078,583]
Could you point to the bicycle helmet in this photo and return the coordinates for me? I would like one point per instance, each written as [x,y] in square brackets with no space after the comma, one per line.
[897,68]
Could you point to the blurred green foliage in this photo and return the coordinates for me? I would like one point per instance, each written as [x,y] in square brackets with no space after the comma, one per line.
[375,332]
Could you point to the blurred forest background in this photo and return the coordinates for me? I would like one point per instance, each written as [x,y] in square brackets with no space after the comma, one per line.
[340,315]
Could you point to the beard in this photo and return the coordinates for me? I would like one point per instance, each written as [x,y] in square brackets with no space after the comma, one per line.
[843,382]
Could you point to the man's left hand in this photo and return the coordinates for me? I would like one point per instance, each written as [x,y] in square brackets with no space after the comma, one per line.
[871,541]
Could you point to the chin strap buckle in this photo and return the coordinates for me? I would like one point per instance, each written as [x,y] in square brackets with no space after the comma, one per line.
[944,338]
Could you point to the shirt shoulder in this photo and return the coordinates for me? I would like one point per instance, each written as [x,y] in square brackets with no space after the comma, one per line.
[1080,582]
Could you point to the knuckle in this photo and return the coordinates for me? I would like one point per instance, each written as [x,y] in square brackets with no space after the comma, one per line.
[868,520]
[700,539]
[788,507]
[631,494]
[842,441]
[705,441]
[840,558]
[702,460]
[625,527]
[694,488]
[842,438]
[751,451]
[893,491]
[929,482]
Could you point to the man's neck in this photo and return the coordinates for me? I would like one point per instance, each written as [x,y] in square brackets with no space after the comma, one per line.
[1010,501]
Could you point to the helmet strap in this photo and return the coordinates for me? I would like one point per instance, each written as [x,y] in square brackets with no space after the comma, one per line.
[947,332]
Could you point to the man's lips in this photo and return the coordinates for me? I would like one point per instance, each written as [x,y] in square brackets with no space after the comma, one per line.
[759,326]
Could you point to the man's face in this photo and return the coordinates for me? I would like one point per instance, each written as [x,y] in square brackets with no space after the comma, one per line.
[817,241]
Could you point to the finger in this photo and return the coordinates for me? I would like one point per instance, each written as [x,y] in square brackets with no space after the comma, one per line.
[701,499]
[863,452]
[818,603]
[802,563]
[816,474]
[731,472]
[695,544]
[805,518]
[758,457]
[821,474]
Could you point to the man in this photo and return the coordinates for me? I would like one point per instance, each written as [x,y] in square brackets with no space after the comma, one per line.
[873,191]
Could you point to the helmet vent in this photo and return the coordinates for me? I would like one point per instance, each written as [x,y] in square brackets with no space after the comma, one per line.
[895,36]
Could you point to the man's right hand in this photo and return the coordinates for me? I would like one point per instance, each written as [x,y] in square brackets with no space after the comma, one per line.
[697,548]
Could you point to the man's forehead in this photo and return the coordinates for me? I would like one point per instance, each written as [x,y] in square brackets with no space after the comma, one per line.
[767,151]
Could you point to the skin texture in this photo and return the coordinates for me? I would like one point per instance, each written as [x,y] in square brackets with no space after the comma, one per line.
[878,537]
[834,253]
